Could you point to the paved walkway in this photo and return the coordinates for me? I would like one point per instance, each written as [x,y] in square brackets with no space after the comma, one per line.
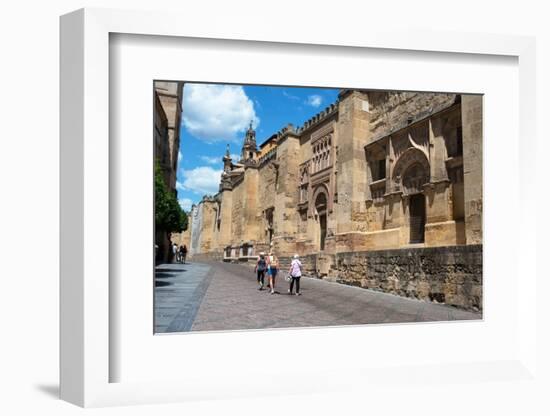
[223,296]
[179,291]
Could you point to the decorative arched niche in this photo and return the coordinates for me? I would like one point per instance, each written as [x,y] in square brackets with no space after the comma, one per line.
[320,204]
[320,199]
[411,172]
[317,190]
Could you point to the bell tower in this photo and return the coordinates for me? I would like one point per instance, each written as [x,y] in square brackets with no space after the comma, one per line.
[227,160]
[249,146]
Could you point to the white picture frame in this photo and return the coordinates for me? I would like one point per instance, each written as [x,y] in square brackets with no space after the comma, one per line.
[86,352]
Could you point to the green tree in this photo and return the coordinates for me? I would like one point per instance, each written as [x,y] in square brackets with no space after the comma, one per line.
[169,216]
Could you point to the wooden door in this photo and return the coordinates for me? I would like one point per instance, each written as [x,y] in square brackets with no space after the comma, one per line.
[323,225]
[417,211]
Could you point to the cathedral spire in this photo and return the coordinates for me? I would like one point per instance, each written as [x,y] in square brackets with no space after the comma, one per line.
[227,160]
[250,137]
[249,146]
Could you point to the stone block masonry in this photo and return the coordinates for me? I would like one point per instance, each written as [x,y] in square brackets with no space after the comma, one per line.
[450,275]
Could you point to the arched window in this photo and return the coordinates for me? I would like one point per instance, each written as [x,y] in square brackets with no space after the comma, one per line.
[321,154]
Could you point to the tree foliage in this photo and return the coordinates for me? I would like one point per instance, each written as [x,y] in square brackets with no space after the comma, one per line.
[169,216]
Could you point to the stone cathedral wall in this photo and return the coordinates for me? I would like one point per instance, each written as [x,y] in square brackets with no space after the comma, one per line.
[450,274]
[196,231]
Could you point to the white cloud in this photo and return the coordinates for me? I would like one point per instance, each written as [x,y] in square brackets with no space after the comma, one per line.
[292,97]
[202,180]
[314,100]
[217,112]
[211,160]
[185,204]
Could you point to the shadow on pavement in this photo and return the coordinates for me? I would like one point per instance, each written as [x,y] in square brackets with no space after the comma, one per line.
[160,283]
[166,270]
[165,275]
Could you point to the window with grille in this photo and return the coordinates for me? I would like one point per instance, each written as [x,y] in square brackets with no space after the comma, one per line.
[321,154]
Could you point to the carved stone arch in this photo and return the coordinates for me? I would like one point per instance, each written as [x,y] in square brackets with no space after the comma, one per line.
[414,179]
[320,190]
[321,202]
[411,171]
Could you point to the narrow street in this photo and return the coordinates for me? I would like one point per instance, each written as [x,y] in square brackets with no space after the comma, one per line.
[213,296]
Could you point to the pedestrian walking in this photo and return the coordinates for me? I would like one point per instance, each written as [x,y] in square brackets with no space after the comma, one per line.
[272,269]
[295,272]
[261,266]
[180,254]
[174,252]
[184,253]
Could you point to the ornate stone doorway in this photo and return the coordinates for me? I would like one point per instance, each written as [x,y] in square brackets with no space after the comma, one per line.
[414,173]
[321,208]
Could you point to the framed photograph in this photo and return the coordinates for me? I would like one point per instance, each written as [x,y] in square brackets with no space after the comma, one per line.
[300,211]
[285,207]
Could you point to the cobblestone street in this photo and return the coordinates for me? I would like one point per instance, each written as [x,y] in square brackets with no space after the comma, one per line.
[215,296]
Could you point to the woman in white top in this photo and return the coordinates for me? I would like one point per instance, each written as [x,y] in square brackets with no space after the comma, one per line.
[295,272]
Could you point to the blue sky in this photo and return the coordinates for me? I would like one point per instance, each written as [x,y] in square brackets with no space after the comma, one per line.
[217,114]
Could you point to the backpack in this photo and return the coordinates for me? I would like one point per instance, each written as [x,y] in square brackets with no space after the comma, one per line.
[261,265]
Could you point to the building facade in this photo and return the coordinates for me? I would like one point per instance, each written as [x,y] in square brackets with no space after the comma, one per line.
[381,190]
[166,119]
